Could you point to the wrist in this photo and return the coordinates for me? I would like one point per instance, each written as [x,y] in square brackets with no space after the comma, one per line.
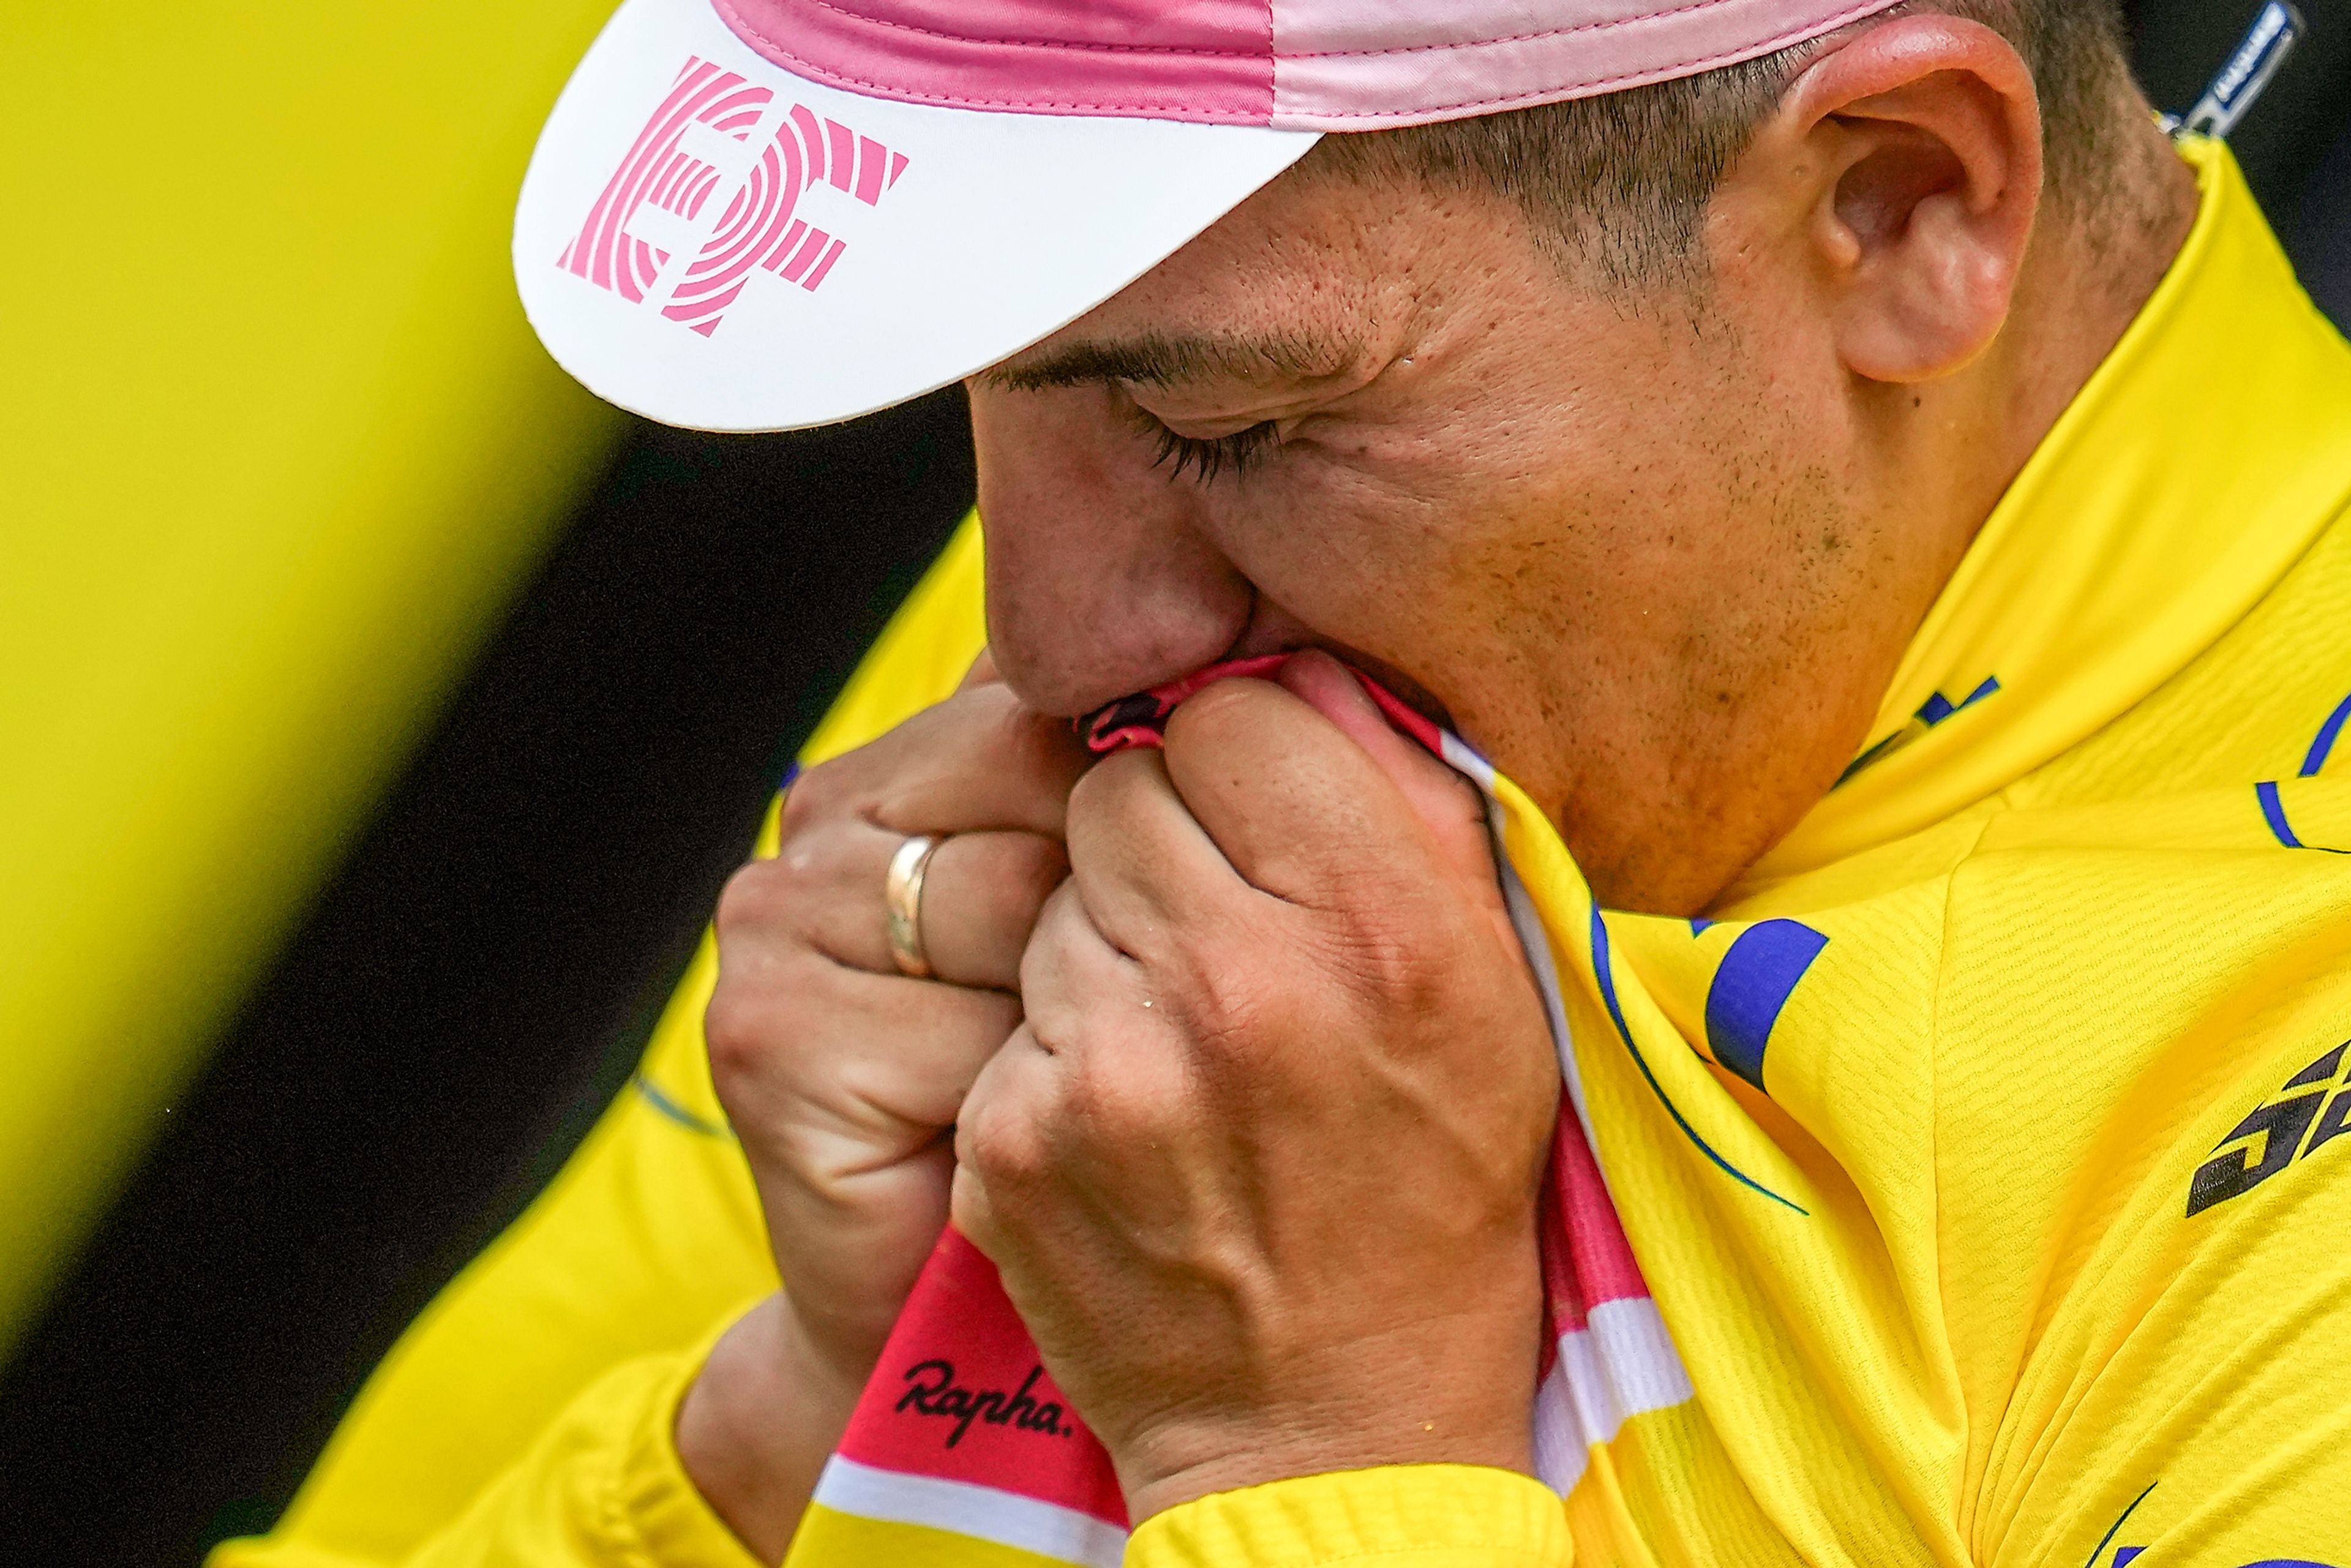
[754,1429]
[1373,1411]
[1234,1458]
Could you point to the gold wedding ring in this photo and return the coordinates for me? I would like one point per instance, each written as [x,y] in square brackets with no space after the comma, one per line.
[902,903]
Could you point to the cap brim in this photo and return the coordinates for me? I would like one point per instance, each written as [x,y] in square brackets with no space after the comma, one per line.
[830,253]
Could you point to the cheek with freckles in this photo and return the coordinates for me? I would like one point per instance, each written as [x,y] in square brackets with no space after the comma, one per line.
[1562,559]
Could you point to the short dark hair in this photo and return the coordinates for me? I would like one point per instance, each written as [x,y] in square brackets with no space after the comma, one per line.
[1625,178]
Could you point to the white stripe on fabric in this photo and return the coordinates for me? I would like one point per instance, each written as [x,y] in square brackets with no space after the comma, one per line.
[1624,1365]
[961,1508]
[1536,943]
[1591,1397]
[1562,1455]
[1644,1368]
[1623,1362]
[1464,759]
[1524,919]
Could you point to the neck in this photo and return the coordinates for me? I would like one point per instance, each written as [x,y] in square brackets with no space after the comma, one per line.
[1939,458]
[2094,264]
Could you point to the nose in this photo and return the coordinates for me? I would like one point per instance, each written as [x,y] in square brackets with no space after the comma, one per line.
[1101,579]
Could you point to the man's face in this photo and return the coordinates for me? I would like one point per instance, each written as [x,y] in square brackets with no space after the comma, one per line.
[1603,533]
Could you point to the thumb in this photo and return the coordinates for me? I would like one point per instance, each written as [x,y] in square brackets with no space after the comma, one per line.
[1446,802]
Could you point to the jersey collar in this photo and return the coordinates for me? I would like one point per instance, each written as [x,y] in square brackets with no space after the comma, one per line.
[2198,465]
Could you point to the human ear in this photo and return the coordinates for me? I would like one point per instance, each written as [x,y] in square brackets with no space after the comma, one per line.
[1924,138]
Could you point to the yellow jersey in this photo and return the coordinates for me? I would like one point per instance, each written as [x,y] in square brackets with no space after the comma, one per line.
[1982,1153]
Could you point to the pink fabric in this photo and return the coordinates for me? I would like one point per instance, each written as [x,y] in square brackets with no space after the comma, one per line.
[1141,720]
[1322,64]
[1587,1261]
[927,1411]
[1206,60]
[1356,65]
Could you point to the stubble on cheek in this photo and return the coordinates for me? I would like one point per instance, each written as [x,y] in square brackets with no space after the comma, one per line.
[1658,669]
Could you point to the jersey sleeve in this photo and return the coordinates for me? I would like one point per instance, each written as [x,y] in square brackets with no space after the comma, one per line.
[1403,1516]
[526,1416]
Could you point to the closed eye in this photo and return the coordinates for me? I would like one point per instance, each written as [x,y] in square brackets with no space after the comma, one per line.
[1208,458]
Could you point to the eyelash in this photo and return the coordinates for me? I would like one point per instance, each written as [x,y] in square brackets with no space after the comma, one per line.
[1238,453]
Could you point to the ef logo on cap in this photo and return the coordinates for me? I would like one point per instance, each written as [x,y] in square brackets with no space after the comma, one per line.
[710,191]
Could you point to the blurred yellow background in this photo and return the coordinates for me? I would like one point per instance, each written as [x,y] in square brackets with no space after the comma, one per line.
[280,447]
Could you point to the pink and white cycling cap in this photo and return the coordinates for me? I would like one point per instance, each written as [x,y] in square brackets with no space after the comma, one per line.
[763,215]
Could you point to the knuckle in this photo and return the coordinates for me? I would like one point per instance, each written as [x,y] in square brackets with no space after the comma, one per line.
[786,1110]
[1247,987]
[797,1150]
[1232,986]
[737,1031]
[1109,1109]
[822,794]
[748,901]
[1091,797]
[1055,1018]
[1107,790]
[1091,817]
[984,729]
[1003,1143]
[771,905]
[754,1028]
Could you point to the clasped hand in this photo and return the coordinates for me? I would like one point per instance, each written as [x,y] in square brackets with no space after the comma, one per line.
[1258,1160]
[1260,1165]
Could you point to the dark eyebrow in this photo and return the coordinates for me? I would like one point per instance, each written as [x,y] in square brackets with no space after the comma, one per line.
[1157,359]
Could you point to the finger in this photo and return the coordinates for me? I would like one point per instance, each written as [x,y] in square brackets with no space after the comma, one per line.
[1143,866]
[1072,977]
[1448,804]
[1118,1089]
[828,1102]
[982,760]
[981,892]
[978,760]
[1001,1140]
[1298,808]
[980,900]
